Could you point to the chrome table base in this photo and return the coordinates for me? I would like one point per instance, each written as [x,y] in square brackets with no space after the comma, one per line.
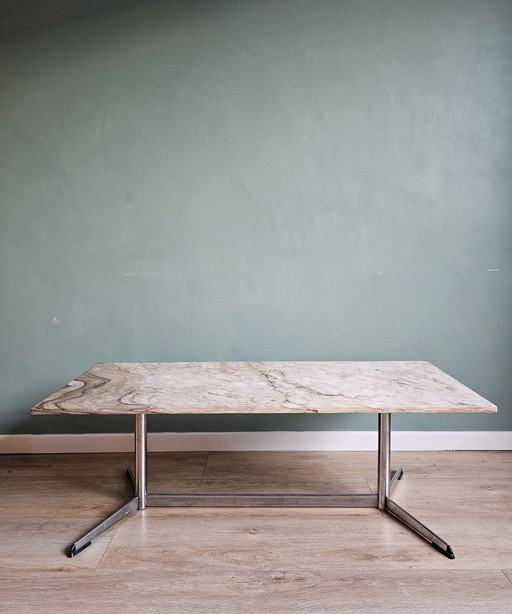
[387,481]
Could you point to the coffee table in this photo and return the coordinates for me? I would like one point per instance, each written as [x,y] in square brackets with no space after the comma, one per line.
[377,387]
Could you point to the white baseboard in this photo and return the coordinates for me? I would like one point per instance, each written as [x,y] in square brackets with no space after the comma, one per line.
[261,440]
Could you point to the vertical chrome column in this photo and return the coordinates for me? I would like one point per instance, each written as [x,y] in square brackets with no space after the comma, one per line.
[384,459]
[141,459]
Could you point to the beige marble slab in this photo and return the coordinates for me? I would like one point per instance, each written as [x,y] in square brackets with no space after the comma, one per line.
[263,387]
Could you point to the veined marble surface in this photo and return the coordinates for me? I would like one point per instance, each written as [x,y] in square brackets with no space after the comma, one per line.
[263,387]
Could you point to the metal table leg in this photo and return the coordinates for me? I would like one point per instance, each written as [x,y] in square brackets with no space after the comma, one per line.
[383,477]
[139,481]
[387,504]
[141,461]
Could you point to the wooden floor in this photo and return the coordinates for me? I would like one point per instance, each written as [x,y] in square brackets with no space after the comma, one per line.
[256,560]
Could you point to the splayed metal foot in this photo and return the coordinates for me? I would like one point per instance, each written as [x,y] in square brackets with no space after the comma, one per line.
[131,477]
[81,544]
[418,527]
[395,476]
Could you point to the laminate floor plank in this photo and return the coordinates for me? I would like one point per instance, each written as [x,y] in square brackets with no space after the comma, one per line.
[298,464]
[262,484]
[179,464]
[259,591]
[450,465]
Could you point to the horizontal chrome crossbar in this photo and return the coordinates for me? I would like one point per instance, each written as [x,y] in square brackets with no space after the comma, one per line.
[263,500]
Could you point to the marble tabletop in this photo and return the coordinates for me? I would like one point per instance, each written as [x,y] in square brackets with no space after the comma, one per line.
[263,388]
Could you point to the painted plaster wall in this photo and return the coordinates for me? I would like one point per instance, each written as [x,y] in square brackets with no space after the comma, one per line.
[254,180]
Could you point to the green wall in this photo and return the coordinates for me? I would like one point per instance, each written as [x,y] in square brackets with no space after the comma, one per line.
[254,180]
